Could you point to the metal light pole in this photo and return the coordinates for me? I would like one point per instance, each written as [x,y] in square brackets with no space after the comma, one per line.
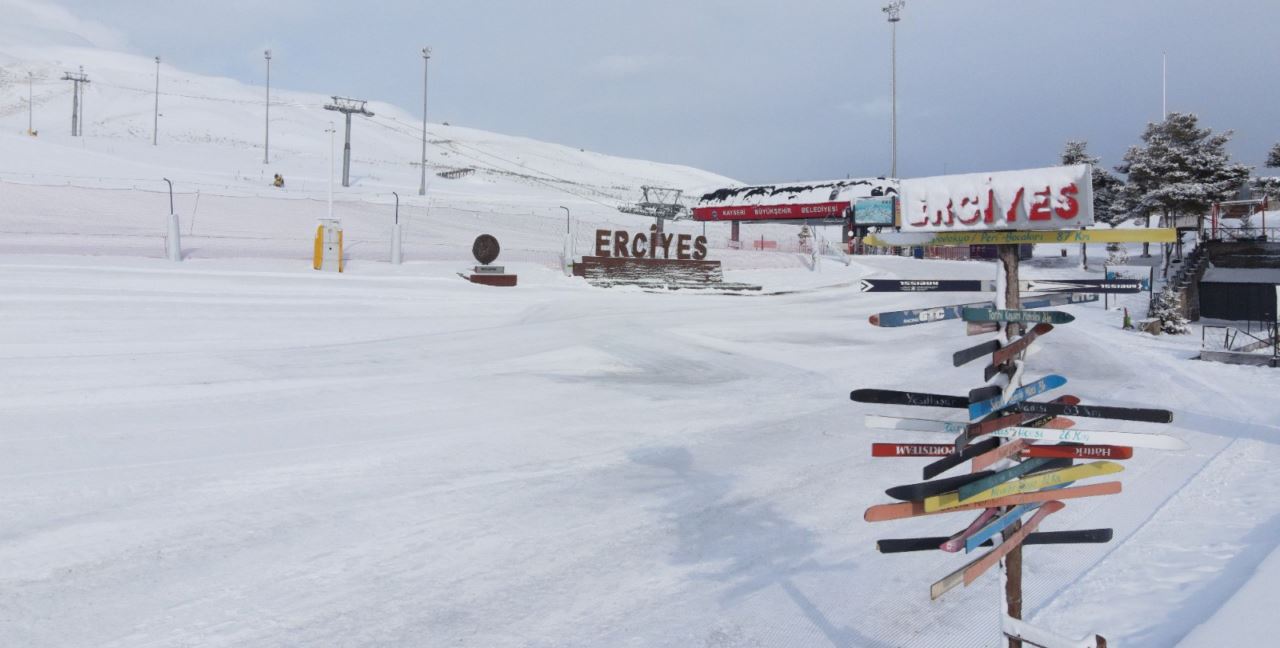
[331,130]
[894,10]
[266,140]
[426,58]
[155,128]
[566,218]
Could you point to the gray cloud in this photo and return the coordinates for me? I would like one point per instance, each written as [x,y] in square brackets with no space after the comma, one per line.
[753,89]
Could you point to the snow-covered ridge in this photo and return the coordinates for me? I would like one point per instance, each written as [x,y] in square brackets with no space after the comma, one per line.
[212,129]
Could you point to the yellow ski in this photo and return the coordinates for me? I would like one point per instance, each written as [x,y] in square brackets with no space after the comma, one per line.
[1033,482]
[972,237]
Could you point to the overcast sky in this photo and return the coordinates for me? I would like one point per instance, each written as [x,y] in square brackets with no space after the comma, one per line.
[758,90]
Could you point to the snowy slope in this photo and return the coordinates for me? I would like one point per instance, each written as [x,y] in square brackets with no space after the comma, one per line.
[241,452]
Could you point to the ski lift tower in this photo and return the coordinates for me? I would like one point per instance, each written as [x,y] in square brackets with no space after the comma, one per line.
[660,203]
[347,107]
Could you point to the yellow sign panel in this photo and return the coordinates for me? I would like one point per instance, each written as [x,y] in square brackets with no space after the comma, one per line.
[890,239]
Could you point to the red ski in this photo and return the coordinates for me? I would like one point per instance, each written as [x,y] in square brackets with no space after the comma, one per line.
[1079,452]
[1019,345]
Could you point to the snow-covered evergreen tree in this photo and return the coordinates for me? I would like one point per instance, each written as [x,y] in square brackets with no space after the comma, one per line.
[1168,310]
[1107,187]
[1181,168]
[1273,158]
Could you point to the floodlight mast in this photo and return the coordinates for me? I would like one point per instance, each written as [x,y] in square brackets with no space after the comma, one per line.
[347,107]
[155,126]
[894,12]
[266,140]
[426,58]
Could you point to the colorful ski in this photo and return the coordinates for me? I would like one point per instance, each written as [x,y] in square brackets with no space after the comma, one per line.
[914,424]
[922,490]
[939,313]
[932,449]
[972,353]
[1000,356]
[1052,381]
[1006,315]
[927,285]
[1057,299]
[902,510]
[1030,635]
[973,488]
[1131,439]
[1112,452]
[984,461]
[957,542]
[1097,411]
[1000,524]
[980,328]
[1027,484]
[924,315]
[981,394]
[973,570]
[988,285]
[1081,536]
[898,397]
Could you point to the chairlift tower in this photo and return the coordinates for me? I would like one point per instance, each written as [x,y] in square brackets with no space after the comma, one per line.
[77,103]
[348,107]
[659,203]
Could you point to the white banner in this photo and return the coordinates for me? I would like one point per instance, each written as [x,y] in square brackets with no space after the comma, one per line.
[1052,198]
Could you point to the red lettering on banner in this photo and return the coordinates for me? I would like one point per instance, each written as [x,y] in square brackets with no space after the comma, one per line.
[1040,208]
[1012,215]
[1068,194]
[975,210]
[989,214]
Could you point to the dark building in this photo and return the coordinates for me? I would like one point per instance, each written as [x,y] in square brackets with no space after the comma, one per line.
[1240,281]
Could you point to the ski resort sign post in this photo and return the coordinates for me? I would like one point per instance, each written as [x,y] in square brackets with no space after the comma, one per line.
[1054,198]
[1003,422]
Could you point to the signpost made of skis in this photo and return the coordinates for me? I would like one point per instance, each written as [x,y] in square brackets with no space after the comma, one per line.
[1027,459]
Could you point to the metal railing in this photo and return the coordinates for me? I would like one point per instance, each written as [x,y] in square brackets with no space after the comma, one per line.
[1235,340]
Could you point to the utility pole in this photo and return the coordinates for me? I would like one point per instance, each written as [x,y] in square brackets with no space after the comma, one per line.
[894,11]
[266,140]
[347,107]
[155,128]
[1164,85]
[30,103]
[426,58]
[77,110]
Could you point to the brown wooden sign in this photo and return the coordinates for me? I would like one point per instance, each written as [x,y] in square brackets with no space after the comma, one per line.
[651,245]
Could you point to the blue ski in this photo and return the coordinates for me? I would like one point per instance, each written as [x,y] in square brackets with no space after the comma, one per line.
[983,408]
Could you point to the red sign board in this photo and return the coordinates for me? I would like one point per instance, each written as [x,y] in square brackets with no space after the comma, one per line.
[771,212]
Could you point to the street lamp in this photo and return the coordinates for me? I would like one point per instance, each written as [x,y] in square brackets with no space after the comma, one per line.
[30,103]
[155,128]
[266,141]
[426,58]
[331,130]
[894,10]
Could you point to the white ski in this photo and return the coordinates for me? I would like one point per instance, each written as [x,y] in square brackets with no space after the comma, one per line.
[916,424]
[1029,634]
[1132,439]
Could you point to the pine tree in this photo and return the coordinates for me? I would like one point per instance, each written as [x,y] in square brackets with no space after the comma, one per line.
[1273,158]
[1107,187]
[1168,310]
[1182,168]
